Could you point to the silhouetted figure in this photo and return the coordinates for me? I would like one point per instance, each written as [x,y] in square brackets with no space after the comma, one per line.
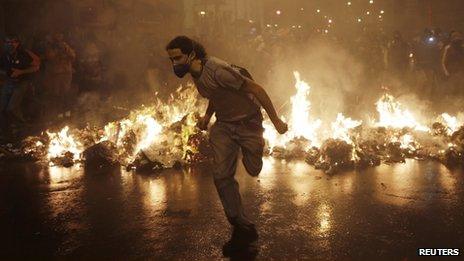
[428,61]
[59,58]
[453,64]
[398,55]
[19,64]
[453,56]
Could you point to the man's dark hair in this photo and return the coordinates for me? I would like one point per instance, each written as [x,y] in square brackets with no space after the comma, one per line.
[186,45]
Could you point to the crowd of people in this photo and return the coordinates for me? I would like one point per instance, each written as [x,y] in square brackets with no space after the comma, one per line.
[57,78]
[38,84]
[44,78]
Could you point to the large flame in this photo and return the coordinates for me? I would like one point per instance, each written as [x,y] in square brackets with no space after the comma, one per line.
[451,123]
[62,142]
[391,114]
[300,122]
[147,131]
[342,126]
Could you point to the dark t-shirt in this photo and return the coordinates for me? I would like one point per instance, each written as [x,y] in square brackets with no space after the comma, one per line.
[21,60]
[221,84]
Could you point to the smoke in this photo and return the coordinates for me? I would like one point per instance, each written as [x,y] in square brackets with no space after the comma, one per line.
[335,77]
[128,38]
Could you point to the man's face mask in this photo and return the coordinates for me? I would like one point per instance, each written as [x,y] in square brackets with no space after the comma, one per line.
[180,70]
[180,62]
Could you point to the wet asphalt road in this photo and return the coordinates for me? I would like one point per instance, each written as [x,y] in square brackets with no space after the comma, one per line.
[383,213]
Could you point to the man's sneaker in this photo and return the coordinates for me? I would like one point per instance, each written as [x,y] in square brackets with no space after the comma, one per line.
[242,244]
[244,252]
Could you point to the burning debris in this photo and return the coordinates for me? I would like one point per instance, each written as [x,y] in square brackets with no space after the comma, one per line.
[368,153]
[102,154]
[395,136]
[63,148]
[453,156]
[336,154]
[161,135]
[66,159]
[198,149]
[165,135]
[294,149]
[312,156]
[34,147]
[142,163]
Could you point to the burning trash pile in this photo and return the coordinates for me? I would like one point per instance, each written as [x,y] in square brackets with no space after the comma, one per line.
[155,137]
[165,135]
[346,144]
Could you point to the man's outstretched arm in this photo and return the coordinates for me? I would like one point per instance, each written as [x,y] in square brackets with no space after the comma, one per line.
[260,94]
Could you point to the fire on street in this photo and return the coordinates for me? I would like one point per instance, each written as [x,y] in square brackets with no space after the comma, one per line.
[231,129]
